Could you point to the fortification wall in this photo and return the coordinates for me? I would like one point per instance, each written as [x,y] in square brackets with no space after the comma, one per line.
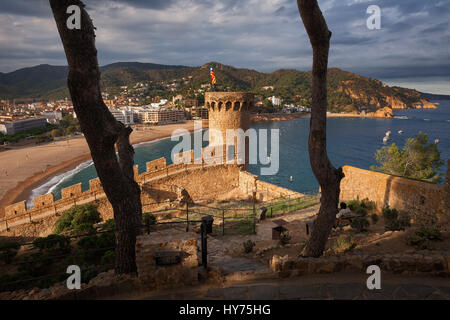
[162,182]
[264,191]
[424,202]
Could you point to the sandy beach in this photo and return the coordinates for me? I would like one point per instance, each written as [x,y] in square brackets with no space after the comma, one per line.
[26,168]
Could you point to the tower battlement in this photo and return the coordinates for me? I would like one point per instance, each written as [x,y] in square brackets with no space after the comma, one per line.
[228,111]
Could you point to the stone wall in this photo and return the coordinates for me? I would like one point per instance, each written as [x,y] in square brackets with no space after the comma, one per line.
[404,263]
[264,191]
[424,202]
[167,276]
[161,182]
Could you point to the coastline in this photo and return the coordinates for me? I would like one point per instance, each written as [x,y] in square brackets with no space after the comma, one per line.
[36,176]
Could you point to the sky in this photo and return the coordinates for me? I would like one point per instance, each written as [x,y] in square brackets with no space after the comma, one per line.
[412,47]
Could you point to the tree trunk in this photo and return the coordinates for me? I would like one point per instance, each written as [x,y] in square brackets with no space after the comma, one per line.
[328,177]
[102,131]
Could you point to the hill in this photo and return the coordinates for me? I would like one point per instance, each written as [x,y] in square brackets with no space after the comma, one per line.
[348,92]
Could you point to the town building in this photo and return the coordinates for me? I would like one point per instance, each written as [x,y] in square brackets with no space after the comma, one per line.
[161,116]
[123,115]
[17,126]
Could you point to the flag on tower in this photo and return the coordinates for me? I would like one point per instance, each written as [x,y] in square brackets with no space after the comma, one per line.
[213,76]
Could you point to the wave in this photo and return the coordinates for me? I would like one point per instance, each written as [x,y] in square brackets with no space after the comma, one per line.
[56,181]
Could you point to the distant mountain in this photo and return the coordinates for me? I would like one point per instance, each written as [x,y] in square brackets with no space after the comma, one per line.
[347,92]
[431,96]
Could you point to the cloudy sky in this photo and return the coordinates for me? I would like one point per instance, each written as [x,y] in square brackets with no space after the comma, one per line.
[412,48]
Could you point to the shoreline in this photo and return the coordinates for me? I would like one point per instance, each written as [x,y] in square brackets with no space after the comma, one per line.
[23,188]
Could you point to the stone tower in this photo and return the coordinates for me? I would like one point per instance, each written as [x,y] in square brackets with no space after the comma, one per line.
[229,110]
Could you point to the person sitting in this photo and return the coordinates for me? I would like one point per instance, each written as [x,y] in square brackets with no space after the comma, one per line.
[345,211]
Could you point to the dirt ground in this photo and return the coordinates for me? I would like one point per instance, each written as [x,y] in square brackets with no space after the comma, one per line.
[376,240]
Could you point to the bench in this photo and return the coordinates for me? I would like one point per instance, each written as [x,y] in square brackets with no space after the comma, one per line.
[340,222]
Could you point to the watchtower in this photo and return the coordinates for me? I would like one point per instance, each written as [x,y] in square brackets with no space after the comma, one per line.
[229,110]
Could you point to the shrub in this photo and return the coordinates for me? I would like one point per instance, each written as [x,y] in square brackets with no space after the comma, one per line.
[429,232]
[360,224]
[53,242]
[94,246]
[78,218]
[108,257]
[248,246]
[393,221]
[344,244]
[353,205]
[390,214]
[36,264]
[374,217]
[148,219]
[422,237]
[109,224]
[362,212]
[367,204]
[8,250]
[285,237]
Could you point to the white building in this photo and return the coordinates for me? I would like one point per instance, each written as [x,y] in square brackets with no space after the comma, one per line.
[17,126]
[161,116]
[123,115]
[275,101]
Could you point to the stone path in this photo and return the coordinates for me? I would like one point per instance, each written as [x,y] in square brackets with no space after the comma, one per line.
[342,287]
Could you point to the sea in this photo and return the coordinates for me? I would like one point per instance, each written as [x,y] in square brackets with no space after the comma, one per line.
[350,141]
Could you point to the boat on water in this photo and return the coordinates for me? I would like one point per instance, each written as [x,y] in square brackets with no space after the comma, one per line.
[401,117]
[400,131]
[291,179]
[385,139]
[436,141]
[388,133]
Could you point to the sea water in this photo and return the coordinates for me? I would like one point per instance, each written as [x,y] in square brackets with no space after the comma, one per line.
[350,141]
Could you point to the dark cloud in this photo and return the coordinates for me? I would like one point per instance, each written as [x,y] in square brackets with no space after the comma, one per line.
[264,35]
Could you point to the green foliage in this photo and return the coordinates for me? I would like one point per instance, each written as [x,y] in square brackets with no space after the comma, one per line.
[422,237]
[374,217]
[353,205]
[108,257]
[78,219]
[36,264]
[360,224]
[28,133]
[8,250]
[248,246]
[55,133]
[53,243]
[94,246]
[362,212]
[390,214]
[393,221]
[417,160]
[367,204]
[344,244]
[109,224]
[361,207]
[285,238]
[148,219]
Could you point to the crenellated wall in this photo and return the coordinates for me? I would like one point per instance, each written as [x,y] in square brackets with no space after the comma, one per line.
[201,178]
